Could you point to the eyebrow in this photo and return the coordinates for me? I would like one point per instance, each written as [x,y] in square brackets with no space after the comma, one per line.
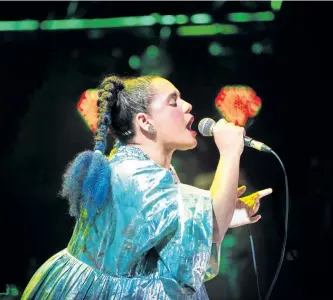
[175,93]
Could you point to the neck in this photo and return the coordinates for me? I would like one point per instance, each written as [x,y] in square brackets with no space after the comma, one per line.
[156,152]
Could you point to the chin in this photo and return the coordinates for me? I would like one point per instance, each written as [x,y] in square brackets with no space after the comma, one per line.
[188,146]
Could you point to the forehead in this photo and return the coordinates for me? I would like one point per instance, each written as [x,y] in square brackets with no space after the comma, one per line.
[163,87]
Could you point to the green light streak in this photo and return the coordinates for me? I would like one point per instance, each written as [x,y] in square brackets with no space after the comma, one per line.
[202,22]
[197,30]
[25,25]
[241,17]
[97,23]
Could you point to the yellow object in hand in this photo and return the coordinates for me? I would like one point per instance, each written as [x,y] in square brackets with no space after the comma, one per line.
[250,200]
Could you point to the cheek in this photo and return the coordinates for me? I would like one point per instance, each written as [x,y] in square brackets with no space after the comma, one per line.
[177,115]
[171,117]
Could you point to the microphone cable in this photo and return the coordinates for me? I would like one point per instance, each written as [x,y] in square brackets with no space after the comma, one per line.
[284,239]
[255,267]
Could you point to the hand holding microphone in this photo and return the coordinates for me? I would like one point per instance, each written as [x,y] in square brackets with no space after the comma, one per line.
[228,137]
[208,127]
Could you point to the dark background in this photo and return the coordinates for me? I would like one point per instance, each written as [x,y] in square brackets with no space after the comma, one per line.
[44,73]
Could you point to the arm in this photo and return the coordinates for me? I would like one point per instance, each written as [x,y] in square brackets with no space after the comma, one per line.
[224,194]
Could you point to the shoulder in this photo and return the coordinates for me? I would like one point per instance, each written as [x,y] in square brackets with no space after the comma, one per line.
[138,170]
[143,185]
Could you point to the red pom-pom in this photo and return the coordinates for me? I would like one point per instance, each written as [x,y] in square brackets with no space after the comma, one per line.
[237,104]
[88,109]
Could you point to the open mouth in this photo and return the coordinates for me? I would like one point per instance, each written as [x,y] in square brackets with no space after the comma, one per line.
[189,124]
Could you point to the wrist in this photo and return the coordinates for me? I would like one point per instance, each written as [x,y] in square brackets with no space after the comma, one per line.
[229,156]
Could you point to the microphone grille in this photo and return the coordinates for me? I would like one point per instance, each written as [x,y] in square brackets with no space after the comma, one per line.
[206,126]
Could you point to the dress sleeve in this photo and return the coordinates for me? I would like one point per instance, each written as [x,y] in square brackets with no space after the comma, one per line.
[179,225]
[186,254]
[214,260]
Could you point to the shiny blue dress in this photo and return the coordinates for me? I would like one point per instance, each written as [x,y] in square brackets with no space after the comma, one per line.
[152,240]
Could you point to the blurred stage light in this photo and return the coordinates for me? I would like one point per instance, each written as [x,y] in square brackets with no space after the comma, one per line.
[25,25]
[276,5]
[262,48]
[202,30]
[182,19]
[72,8]
[97,23]
[168,20]
[136,21]
[155,61]
[95,34]
[165,32]
[134,62]
[152,52]
[76,24]
[216,49]
[145,21]
[229,242]
[201,19]
[257,48]
[264,16]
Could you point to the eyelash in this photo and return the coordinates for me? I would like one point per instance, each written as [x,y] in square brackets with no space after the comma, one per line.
[174,104]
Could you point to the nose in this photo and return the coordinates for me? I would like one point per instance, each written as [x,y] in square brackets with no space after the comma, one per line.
[187,107]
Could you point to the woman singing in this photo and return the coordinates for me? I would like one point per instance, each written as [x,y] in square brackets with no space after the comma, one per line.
[140,233]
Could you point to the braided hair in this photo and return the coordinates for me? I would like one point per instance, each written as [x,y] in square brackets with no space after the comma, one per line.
[86,180]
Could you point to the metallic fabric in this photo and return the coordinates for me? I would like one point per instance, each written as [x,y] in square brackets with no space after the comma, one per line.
[152,240]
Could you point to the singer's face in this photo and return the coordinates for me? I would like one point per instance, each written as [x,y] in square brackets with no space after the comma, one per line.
[171,117]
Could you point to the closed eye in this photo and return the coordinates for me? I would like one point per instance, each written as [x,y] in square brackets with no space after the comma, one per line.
[173,100]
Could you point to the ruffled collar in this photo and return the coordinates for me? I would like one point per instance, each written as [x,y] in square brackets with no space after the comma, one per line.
[126,151]
[131,151]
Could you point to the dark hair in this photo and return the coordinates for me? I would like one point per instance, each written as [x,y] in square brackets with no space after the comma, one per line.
[126,98]
[87,178]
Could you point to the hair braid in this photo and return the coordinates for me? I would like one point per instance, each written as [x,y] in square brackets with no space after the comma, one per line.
[107,97]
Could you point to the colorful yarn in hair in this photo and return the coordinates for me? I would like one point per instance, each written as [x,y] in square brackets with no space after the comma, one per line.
[96,187]
[73,179]
[116,146]
[87,179]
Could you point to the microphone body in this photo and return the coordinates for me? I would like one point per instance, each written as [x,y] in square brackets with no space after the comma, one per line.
[206,128]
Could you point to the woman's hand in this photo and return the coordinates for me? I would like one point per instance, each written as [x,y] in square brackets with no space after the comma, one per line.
[247,207]
[229,138]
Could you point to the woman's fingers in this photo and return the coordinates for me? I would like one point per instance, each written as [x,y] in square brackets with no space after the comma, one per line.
[255,219]
[265,192]
[241,190]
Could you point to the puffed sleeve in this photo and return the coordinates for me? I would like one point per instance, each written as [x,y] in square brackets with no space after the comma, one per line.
[214,260]
[178,224]
[203,197]
[186,254]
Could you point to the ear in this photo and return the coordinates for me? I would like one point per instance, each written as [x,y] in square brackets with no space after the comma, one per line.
[143,121]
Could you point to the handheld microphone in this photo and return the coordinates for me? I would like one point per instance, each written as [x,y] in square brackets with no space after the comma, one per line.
[206,128]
